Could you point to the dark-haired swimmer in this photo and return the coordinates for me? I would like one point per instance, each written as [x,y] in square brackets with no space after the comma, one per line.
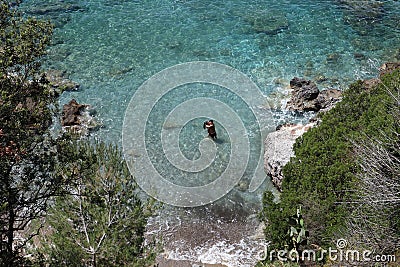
[210,128]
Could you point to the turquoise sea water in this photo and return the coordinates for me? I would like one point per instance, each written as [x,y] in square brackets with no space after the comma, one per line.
[112,47]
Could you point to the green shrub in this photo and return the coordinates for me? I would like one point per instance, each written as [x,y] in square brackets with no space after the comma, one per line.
[101,222]
[322,177]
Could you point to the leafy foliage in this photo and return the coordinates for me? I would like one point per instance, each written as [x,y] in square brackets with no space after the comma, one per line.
[375,211]
[102,221]
[297,233]
[26,151]
[322,177]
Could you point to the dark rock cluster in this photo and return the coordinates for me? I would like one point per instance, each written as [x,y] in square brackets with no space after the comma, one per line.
[78,118]
[72,113]
[307,97]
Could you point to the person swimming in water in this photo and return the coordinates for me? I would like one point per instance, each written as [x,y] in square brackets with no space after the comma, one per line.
[210,128]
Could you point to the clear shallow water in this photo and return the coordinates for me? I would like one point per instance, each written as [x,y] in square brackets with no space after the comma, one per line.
[112,47]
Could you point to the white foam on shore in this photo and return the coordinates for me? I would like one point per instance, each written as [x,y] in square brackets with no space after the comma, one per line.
[234,243]
[246,253]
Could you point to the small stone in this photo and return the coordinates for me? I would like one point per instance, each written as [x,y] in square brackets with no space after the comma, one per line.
[280,81]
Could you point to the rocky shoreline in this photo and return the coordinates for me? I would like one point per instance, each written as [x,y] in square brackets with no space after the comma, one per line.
[305,96]
[77,119]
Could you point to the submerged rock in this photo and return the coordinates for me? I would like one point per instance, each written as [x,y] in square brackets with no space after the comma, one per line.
[307,97]
[53,8]
[362,15]
[359,56]
[267,21]
[78,118]
[333,58]
[279,150]
[57,11]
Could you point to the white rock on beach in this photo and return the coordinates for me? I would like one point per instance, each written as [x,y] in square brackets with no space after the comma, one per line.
[279,150]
